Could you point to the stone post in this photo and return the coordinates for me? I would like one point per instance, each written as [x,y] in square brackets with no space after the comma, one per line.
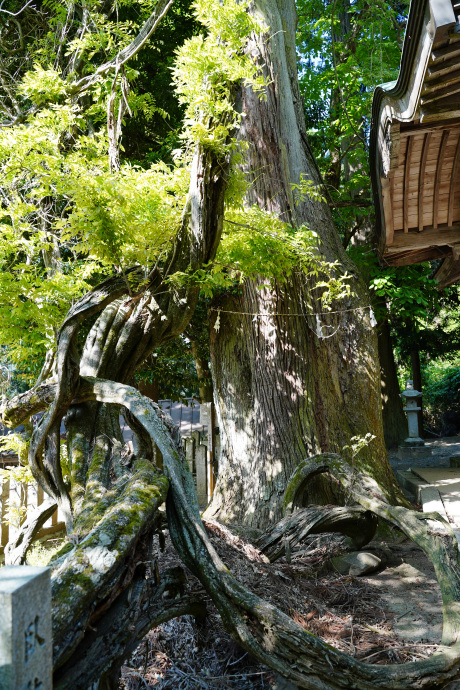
[26,659]
[412,409]
[190,452]
[414,446]
[208,419]
[201,487]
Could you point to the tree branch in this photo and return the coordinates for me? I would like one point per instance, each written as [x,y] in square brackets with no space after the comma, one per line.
[15,14]
[127,53]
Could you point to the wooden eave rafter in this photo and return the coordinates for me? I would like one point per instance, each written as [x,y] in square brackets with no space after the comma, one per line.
[415,144]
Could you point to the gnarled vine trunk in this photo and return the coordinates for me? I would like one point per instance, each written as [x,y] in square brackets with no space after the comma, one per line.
[281,392]
[112,498]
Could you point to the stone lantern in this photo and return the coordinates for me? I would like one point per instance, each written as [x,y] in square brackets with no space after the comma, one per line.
[411,396]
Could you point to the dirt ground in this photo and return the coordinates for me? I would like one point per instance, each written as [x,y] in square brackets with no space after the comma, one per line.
[391,616]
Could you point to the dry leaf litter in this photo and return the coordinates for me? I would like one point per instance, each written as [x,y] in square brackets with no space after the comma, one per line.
[346,612]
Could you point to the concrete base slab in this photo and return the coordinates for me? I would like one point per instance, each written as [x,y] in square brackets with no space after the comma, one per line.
[410,483]
[412,442]
[431,501]
[452,506]
[437,489]
[446,479]
[414,452]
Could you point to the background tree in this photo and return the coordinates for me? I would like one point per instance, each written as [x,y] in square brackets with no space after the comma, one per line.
[357,47]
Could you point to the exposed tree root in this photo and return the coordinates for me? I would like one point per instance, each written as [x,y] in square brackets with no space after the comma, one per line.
[84,580]
[108,643]
[428,530]
[100,565]
[355,522]
[111,510]
[263,630]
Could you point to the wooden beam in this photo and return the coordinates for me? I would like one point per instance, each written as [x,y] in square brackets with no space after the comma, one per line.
[435,127]
[444,74]
[406,183]
[445,136]
[441,69]
[449,91]
[421,179]
[453,184]
[446,53]
[387,208]
[430,237]
[434,113]
[452,38]
[416,257]
[432,88]
[395,145]
[448,273]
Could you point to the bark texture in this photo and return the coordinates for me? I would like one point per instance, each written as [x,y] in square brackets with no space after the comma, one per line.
[92,587]
[281,393]
[102,576]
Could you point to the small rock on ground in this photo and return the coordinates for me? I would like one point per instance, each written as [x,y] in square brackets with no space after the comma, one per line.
[356,563]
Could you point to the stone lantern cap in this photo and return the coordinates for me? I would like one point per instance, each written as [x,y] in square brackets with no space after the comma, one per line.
[410,391]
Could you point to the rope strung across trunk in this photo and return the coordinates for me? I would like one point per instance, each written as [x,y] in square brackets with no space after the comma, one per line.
[277,313]
[319,325]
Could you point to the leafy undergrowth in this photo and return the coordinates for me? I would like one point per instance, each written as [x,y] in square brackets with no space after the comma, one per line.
[347,612]
[41,552]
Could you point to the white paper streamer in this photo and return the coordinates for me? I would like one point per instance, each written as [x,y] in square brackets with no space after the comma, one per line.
[372,317]
[319,328]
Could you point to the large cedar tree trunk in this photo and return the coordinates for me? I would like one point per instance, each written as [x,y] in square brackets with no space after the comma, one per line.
[282,393]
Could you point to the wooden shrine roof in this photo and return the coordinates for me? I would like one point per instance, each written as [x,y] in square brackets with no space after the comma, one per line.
[415,145]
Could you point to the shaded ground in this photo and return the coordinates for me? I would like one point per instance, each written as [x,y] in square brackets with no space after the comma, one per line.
[389,617]
[411,594]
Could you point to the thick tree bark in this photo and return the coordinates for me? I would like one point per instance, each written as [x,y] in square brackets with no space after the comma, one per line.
[394,419]
[101,577]
[281,393]
[355,522]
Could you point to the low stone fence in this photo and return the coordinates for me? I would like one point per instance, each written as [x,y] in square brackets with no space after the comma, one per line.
[15,499]
[202,460]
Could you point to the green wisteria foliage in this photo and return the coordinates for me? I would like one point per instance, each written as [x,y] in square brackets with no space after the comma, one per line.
[67,219]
